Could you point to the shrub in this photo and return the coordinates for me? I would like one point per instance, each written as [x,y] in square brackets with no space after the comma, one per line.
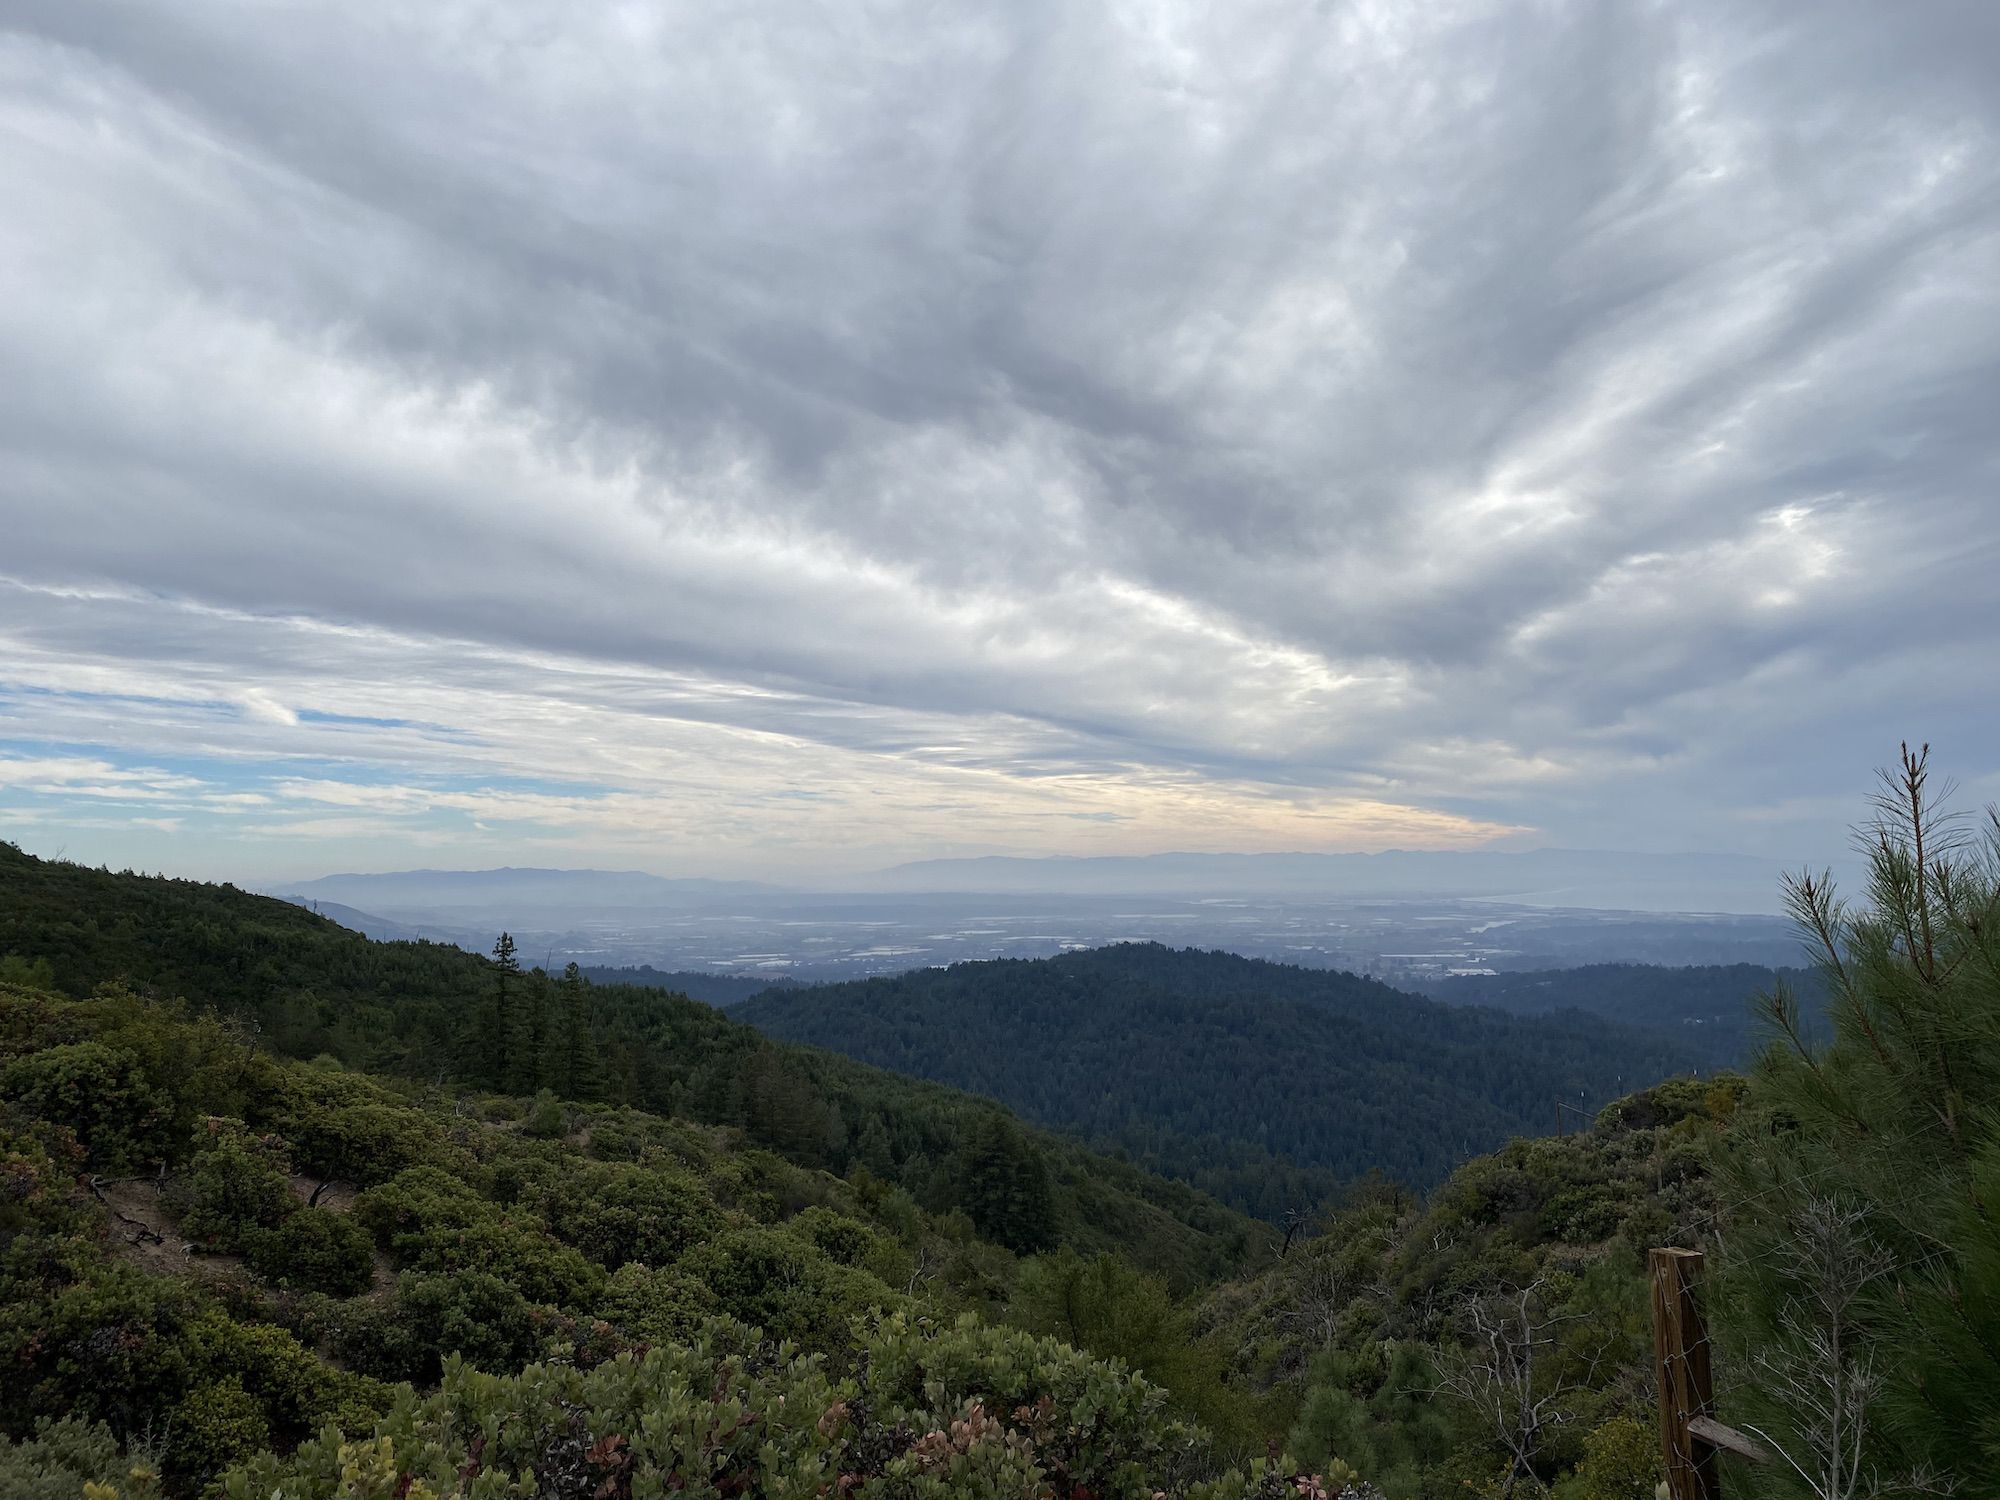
[844,1241]
[240,1184]
[1621,1461]
[657,1305]
[766,1279]
[60,1460]
[472,1314]
[100,1093]
[616,1214]
[317,1250]
[217,1425]
[972,1411]
[546,1120]
[434,1223]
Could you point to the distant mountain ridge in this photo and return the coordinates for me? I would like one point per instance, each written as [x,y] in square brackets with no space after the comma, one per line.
[1264,1084]
[477,889]
[1583,878]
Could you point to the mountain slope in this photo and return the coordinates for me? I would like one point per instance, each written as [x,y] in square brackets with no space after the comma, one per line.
[1262,1083]
[212,1251]
[310,987]
[382,929]
[1706,1006]
[719,990]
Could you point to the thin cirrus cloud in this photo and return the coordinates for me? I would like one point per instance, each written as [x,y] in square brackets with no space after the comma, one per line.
[766,440]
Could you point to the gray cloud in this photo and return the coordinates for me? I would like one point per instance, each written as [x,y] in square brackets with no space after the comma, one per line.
[1573,418]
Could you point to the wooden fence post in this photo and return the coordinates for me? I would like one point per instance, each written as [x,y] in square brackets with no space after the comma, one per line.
[1687,1390]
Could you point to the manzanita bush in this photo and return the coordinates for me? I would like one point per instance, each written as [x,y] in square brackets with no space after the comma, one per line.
[970,1411]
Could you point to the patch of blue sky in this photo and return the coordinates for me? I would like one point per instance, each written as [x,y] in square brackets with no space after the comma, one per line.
[237,773]
[23,696]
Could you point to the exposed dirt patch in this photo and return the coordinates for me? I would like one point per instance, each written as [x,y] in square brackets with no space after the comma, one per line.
[338,1196]
[144,1231]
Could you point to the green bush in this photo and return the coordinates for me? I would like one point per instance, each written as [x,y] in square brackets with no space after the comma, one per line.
[844,1241]
[475,1315]
[316,1250]
[967,1412]
[432,1222]
[767,1279]
[100,1093]
[616,1214]
[215,1426]
[546,1118]
[657,1306]
[239,1185]
[62,1458]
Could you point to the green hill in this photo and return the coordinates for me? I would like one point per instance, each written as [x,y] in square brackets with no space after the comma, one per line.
[212,1257]
[720,990]
[1264,1084]
[310,988]
[1705,1007]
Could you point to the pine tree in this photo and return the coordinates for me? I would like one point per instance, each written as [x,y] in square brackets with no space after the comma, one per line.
[527,1044]
[574,1018]
[506,967]
[1861,1264]
[1005,1187]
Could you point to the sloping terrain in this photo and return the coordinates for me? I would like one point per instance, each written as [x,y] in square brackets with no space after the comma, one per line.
[1706,1007]
[310,988]
[1262,1083]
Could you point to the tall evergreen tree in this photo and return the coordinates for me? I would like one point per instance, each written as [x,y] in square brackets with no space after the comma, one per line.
[1861,1265]
[1005,1187]
[527,1047]
[573,1007]
[506,968]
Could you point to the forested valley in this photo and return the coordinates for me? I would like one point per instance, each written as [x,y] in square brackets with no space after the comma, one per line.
[1701,1007]
[1267,1085]
[285,1213]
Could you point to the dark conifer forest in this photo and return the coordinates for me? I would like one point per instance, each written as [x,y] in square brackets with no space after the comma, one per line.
[1264,1084]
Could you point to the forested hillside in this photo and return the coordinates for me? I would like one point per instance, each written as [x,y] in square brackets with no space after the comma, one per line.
[310,988]
[216,1259]
[1707,1008]
[1264,1084]
[710,989]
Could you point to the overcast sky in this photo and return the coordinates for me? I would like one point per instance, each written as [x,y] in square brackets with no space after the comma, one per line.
[764,438]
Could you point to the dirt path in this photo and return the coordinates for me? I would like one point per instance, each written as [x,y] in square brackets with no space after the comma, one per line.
[146,1233]
[338,1196]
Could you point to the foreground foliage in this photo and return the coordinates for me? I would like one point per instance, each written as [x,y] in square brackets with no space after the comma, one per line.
[626,1299]
[1863,1250]
[1396,1327]
[968,1411]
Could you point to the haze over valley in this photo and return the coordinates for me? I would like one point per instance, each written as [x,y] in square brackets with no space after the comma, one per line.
[601,919]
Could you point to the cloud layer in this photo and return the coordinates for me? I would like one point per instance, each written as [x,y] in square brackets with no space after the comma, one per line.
[761,439]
